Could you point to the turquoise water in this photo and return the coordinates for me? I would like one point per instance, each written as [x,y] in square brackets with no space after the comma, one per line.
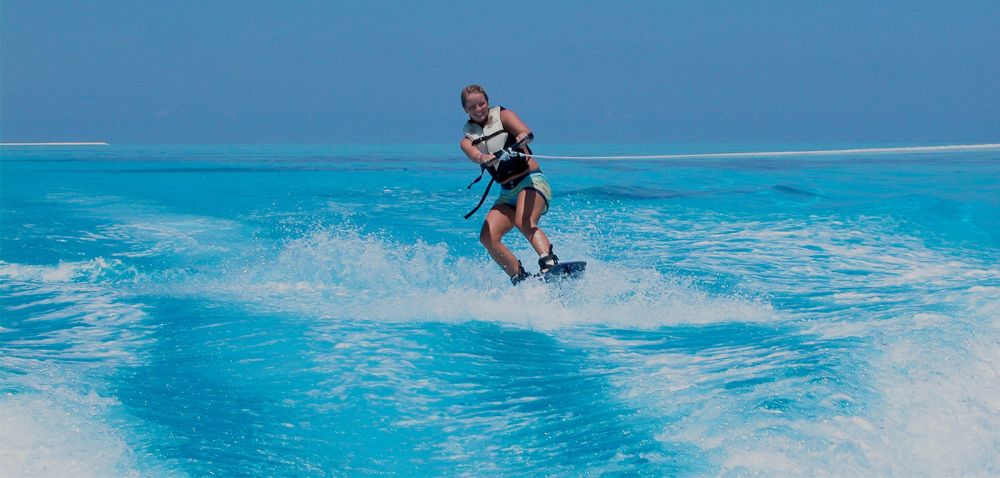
[325,311]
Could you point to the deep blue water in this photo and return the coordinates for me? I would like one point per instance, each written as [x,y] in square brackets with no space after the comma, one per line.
[325,311]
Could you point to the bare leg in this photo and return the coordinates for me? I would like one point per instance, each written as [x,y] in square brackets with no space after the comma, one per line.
[530,205]
[499,221]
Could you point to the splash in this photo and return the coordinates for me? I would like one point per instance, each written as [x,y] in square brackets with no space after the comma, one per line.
[57,419]
[61,433]
[356,276]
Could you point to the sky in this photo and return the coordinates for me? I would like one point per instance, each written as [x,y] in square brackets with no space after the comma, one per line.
[250,71]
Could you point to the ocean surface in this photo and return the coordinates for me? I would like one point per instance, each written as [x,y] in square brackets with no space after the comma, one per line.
[326,311]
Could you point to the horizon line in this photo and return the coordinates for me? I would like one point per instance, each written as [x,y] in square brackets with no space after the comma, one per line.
[730,154]
[61,143]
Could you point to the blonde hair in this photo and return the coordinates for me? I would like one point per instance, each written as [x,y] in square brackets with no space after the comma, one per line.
[471,89]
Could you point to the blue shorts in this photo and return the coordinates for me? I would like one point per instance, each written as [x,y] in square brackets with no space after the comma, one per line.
[536,181]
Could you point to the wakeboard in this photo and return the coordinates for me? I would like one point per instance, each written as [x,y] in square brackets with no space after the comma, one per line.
[564,270]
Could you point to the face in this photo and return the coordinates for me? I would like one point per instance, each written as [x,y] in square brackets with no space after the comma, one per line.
[477,107]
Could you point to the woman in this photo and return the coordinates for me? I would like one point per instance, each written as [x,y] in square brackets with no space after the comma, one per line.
[525,194]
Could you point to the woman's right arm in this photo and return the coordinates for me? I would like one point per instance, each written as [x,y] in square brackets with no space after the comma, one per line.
[473,153]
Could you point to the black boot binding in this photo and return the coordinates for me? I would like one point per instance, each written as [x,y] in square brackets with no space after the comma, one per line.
[521,275]
[547,261]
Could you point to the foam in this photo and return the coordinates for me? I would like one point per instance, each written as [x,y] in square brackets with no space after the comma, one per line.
[53,421]
[42,436]
[90,320]
[822,255]
[926,403]
[346,274]
[942,406]
[148,230]
[171,235]
[929,421]
[63,272]
[349,275]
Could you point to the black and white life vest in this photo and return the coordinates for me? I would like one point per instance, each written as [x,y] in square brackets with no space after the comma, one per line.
[491,138]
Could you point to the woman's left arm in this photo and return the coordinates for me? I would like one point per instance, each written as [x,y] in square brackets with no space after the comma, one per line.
[513,124]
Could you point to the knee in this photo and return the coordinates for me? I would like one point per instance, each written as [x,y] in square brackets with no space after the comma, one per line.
[486,238]
[526,227]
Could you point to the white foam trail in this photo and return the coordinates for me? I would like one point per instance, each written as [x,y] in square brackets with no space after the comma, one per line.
[848,262]
[927,388]
[53,419]
[146,230]
[60,434]
[64,272]
[930,322]
[823,152]
[363,277]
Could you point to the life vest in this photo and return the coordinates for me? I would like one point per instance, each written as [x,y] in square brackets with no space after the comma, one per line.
[491,138]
